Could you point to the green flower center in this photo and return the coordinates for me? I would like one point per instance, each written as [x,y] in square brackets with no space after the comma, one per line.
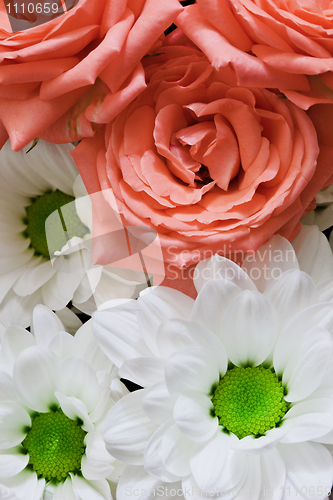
[63,226]
[55,444]
[249,401]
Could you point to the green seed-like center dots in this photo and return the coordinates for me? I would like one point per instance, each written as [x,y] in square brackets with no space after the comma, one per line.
[55,444]
[61,227]
[249,401]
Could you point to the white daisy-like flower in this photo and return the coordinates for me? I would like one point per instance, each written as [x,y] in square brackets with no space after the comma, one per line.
[238,384]
[33,185]
[55,391]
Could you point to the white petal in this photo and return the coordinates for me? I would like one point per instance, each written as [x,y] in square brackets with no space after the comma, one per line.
[11,221]
[88,285]
[7,281]
[176,452]
[96,463]
[7,391]
[35,373]
[77,379]
[53,163]
[14,421]
[209,459]
[144,371]
[308,420]
[82,202]
[319,315]
[15,243]
[91,490]
[118,390]
[212,302]
[59,290]
[325,290]
[314,254]
[15,340]
[64,345]
[24,485]
[191,368]
[309,468]
[327,439]
[64,491]
[271,260]
[3,325]
[290,294]
[218,267]
[13,262]
[109,287]
[91,350]
[250,444]
[17,173]
[32,279]
[273,475]
[175,334]
[157,305]
[306,368]
[18,310]
[117,332]
[153,459]
[46,325]
[157,403]
[233,477]
[128,429]
[75,409]
[252,481]
[192,416]
[249,329]
[105,387]
[12,462]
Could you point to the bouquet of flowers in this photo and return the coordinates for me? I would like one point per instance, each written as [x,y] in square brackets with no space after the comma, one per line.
[166,265]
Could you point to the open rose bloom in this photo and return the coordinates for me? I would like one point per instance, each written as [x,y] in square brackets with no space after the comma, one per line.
[210,165]
[284,44]
[51,73]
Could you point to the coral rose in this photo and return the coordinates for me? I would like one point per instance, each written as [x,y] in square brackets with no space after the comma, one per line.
[213,167]
[291,39]
[53,75]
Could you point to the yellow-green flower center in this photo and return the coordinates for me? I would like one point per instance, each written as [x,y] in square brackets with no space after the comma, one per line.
[60,228]
[249,401]
[55,444]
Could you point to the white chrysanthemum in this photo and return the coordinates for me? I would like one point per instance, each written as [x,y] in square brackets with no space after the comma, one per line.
[238,384]
[33,185]
[55,391]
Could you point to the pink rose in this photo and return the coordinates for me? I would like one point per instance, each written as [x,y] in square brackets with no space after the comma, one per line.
[61,79]
[292,42]
[213,167]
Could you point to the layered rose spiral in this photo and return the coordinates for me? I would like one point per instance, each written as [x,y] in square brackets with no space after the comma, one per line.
[54,75]
[272,43]
[212,166]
